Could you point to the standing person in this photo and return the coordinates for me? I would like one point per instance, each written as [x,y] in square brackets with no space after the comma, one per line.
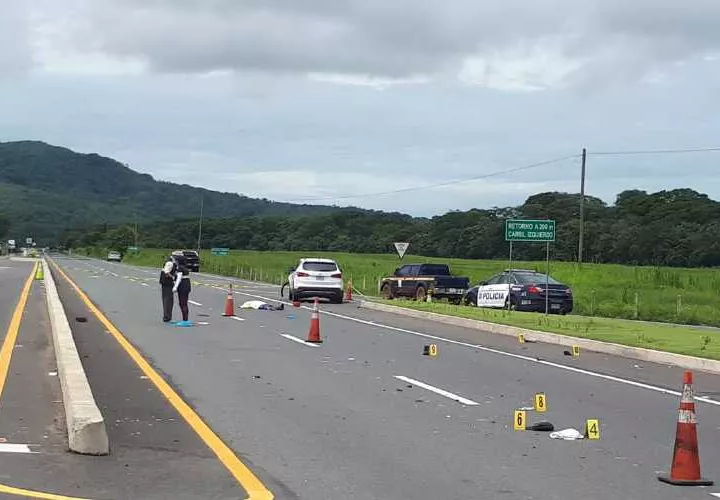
[183,287]
[167,283]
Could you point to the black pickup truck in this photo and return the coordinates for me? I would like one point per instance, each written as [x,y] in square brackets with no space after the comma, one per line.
[416,280]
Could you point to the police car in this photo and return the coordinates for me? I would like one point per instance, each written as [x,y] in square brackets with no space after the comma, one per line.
[522,290]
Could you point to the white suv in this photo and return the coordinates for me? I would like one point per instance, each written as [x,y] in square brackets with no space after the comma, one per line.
[316,278]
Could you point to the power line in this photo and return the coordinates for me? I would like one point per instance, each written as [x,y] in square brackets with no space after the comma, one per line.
[441,184]
[652,151]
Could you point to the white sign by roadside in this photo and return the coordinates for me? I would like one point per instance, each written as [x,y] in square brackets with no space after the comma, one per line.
[401,248]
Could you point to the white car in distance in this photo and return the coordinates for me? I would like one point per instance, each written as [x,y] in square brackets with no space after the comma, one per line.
[320,278]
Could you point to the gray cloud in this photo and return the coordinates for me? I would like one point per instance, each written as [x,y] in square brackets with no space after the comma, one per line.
[609,39]
[15,49]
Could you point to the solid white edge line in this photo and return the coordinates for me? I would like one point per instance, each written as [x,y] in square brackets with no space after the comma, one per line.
[479,347]
[450,395]
[299,341]
[195,303]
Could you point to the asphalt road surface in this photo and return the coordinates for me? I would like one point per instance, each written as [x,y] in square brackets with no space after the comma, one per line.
[366,416]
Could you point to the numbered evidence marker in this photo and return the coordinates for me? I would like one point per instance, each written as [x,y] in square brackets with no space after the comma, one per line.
[540,403]
[430,350]
[592,429]
[521,338]
[519,420]
[576,350]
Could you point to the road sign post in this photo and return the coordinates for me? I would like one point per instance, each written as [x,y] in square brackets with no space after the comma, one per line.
[222,252]
[533,231]
[401,248]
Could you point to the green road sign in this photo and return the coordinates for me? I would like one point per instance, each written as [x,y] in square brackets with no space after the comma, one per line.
[133,249]
[529,230]
[220,251]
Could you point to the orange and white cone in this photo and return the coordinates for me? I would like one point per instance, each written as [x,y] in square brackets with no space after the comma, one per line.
[229,304]
[348,295]
[685,469]
[314,333]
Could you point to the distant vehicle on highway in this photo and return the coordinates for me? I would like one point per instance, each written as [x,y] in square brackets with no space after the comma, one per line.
[114,256]
[417,280]
[314,277]
[521,290]
[192,259]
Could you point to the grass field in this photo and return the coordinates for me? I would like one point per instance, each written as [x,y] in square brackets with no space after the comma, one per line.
[690,296]
[670,338]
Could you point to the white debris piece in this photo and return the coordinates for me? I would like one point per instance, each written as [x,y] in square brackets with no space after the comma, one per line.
[567,435]
[254,304]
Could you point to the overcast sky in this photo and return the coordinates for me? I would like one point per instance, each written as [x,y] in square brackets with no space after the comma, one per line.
[321,100]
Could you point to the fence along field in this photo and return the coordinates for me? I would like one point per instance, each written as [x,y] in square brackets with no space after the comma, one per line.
[673,295]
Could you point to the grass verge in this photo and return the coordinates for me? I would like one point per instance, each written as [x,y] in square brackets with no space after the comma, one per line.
[670,295]
[670,338]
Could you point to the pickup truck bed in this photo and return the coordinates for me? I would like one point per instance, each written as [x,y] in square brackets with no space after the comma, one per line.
[418,280]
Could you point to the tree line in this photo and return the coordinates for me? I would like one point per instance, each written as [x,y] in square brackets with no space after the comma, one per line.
[679,227]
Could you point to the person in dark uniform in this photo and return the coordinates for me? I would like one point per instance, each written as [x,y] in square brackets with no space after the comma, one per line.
[182,286]
[167,284]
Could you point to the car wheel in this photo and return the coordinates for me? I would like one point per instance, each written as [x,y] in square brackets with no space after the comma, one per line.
[510,304]
[456,302]
[337,299]
[386,292]
[420,294]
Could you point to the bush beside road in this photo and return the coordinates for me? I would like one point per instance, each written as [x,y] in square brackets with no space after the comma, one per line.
[671,295]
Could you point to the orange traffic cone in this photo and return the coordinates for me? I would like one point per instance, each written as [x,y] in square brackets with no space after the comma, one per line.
[229,304]
[314,333]
[348,295]
[685,469]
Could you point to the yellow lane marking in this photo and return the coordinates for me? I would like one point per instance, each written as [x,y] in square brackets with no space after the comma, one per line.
[5,357]
[35,494]
[255,489]
[13,330]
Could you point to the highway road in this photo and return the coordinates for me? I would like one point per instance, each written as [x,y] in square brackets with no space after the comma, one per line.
[366,416]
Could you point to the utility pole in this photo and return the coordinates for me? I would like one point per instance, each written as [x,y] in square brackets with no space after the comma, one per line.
[582,208]
[136,231]
[202,202]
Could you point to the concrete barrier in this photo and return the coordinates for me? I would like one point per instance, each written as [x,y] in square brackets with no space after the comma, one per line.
[85,424]
[650,355]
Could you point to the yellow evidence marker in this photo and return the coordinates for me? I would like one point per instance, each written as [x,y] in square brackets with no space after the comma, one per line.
[540,403]
[592,429]
[433,350]
[521,338]
[576,350]
[519,420]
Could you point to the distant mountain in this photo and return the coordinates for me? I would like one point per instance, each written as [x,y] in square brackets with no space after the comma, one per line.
[46,189]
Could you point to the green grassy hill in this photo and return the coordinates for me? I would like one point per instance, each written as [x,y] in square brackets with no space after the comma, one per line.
[45,189]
